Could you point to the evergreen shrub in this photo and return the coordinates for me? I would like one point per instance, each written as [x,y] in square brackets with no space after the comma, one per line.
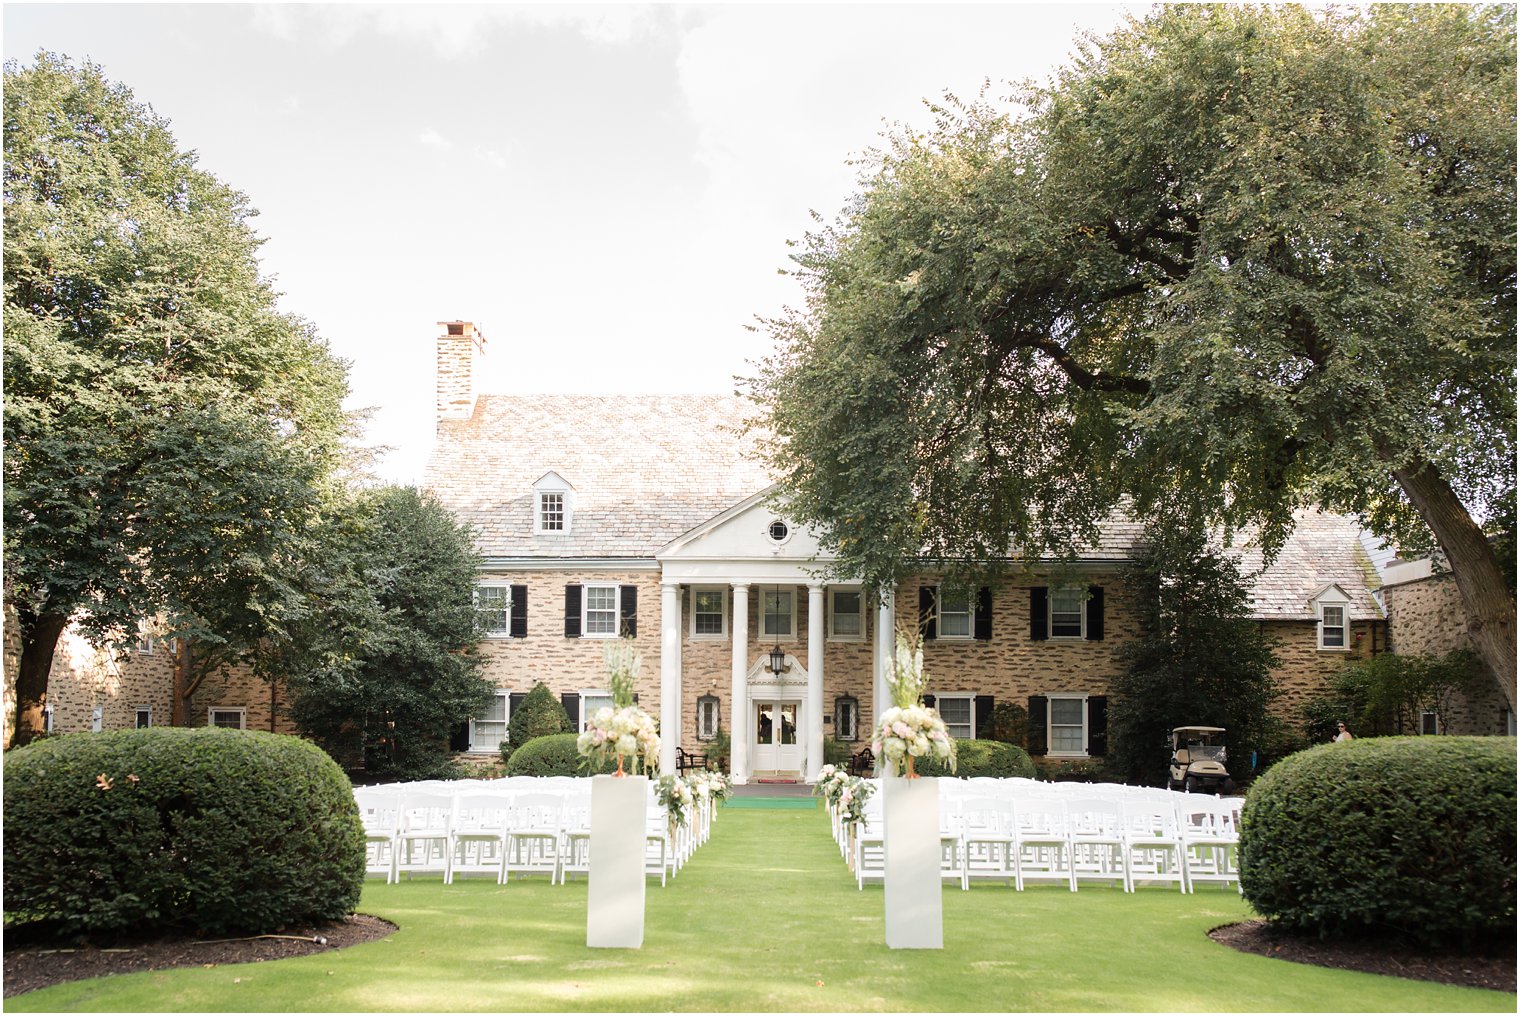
[539,714]
[981,758]
[1008,722]
[554,755]
[1411,833]
[171,829]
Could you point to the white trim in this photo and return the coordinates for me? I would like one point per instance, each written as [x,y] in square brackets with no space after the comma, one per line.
[691,627]
[860,613]
[617,610]
[1084,598]
[97,719]
[1435,722]
[790,635]
[970,699]
[506,608]
[504,694]
[137,712]
[561,564]
[146,643]
[605,693]
[552,484]
[242,714]
[1050,724]
[1344,626]
[47,718]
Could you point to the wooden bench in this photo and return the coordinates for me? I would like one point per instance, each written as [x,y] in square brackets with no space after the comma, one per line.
[689,760]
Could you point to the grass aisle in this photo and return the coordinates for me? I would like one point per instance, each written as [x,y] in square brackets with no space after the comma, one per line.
[763,914]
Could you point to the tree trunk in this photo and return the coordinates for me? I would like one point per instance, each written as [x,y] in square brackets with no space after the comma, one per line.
[39,640]
[1488,600]
[184,684]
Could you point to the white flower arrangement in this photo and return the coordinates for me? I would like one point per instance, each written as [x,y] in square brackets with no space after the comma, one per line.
[710,783]
[910,729]
[624,730]
[677,797]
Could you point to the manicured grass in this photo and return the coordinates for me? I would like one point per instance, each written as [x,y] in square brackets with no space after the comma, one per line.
[766,918]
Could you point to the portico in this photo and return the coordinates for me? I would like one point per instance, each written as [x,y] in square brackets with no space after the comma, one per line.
[752,556]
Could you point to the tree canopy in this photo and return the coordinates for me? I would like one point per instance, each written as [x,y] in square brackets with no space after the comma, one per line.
[168,431]
[390,666]
[1229,263]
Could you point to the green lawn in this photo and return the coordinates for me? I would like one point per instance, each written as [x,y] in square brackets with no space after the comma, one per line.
[767,918]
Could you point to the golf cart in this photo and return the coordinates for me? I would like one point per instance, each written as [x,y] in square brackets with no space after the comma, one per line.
[1198,761]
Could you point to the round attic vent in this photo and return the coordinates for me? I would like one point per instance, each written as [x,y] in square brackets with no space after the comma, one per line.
[778,531]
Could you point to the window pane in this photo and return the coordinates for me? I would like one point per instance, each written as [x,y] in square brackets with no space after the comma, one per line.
[844,719]
[552,511]
[1066,612]
[601,610]
[1066,710]
[591,703]
[1067,727]
[227,718]
[846,612]
[954,614]
[1066,739]
[707,610]
[491,603]
[956,712]
[778,612]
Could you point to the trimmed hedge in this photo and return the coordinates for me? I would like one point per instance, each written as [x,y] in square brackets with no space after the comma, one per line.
[1411,833]
[553,755]
[538,715]
[981,758]
[206,830]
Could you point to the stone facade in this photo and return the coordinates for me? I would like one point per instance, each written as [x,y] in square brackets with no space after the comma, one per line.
[457,348]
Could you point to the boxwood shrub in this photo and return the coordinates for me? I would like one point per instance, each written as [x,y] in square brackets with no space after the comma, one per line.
[552,755]
[1412,833]
[207,830]
[981,758]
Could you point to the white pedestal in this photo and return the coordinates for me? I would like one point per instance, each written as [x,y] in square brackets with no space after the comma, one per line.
[910,816]
[615,884]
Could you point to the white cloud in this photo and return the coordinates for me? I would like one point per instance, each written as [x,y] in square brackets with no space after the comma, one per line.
[432,139]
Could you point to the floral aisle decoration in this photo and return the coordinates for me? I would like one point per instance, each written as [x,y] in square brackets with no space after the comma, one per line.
[910,729]
[676,795]
[624,730]
[710,783]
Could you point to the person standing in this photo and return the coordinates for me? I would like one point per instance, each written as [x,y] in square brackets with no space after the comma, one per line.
[1344,735]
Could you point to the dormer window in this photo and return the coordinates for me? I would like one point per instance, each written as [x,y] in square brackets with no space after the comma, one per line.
[553,505]
[1332,607]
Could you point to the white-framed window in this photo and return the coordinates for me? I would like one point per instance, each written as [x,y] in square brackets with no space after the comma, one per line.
[493,602]
[553,505]
[709,612]
[1067,725]
[847,718]
[489,729]
[144,717]
[1068,612]
[1509,722]
[778,613]
[959,714]
[599,612]
[591,701]
[955,613]
[230,717]
[1430,723]
[709,718]
[846,615]
[146,643]
[97,719]
[778,532]
[47,718]
[1332,626]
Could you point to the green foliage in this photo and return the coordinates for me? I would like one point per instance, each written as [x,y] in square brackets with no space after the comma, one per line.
[555,755]
[981,758]
[1229,262]
[537,715]
[1199,660]
[209,831]
[836,752]
[168,432]
[1008,722]
[1409,833]
[1072,770]
[392,666]
[719,750]
[1385,694]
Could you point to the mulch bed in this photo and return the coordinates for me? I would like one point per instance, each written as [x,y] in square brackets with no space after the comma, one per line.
[33,960]
[1490,966]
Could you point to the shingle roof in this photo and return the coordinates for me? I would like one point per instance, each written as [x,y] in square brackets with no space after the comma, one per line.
[648,468]
[645,469]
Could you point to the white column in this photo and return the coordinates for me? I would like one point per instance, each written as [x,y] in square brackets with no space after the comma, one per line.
[816,624]
[738,710]
[670,675]
[886,650]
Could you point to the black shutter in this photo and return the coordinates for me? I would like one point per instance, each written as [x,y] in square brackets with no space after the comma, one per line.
[929,701]
[982,624]
[635,698]
[519,628]
[1037,708]
[1097,724]
[572,703]
[928,621]
[628,604]
[1095,613]
[1039,613]
[459,737]
[514,699]
[572,612]
[983,707]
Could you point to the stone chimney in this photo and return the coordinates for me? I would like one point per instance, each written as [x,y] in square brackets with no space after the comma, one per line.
[458,346]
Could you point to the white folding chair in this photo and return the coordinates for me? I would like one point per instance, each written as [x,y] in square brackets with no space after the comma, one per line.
[987,839]
[870,844]
[1153,841]
[379,809]
[533,834]
[478,836]
[1095,826]
[422,841]
[1210,839]
[1042,850]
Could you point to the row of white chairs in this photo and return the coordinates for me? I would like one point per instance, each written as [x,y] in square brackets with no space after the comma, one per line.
[523,825]
[1023,831]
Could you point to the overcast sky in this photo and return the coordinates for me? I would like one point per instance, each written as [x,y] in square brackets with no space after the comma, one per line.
[607,191]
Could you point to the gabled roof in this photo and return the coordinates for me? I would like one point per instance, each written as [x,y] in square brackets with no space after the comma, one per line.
[1324,550]
[645,469]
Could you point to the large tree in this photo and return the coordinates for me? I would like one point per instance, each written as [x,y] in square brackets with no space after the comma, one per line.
[390,666]
[1235,260]
[168,430]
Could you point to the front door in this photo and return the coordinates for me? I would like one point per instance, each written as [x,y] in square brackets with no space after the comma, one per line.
[776,747]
